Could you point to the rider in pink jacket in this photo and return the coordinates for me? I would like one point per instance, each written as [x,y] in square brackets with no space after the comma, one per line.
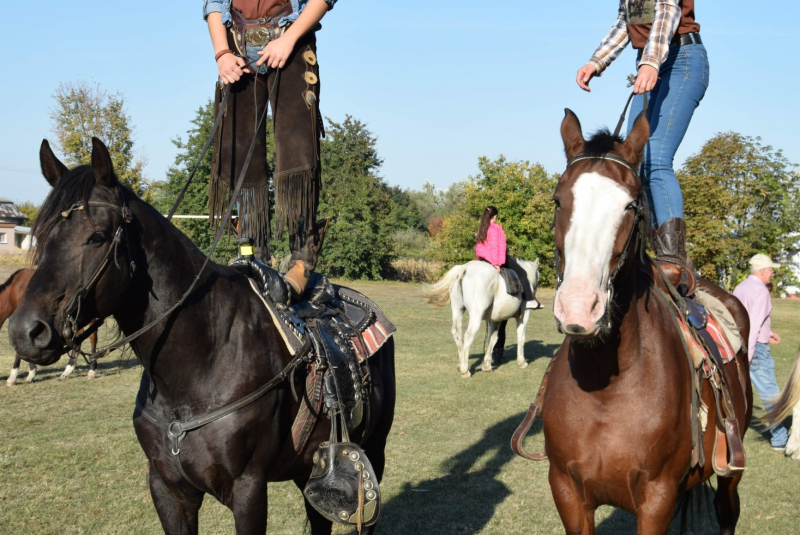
[493,250]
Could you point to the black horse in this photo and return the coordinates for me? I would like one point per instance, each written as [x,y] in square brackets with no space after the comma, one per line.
[220,346]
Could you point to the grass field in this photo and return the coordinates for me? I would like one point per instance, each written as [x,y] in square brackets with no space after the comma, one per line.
[70,463]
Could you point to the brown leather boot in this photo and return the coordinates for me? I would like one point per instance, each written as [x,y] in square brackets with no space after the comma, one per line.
[669,244]
[303,262]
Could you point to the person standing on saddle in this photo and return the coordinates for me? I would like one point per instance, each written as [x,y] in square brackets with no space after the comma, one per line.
[279,37]
[673,67]
[754,295]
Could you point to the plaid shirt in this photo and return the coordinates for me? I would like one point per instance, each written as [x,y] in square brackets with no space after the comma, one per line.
[665,24]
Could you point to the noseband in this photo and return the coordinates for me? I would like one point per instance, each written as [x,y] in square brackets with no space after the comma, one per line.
[69,316]
[638,222]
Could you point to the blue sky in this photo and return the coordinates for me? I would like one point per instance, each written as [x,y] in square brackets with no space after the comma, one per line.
[439,83]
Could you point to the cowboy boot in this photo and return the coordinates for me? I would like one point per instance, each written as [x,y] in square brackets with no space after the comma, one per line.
[669,244]
[304,261]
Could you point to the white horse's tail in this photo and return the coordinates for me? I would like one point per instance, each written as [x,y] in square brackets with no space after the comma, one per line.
[438,294]
[785,403]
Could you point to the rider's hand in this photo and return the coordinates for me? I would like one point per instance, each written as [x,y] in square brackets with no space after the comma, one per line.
[774,338]
[646,79]
[586,73]
[231,68]
[277,52]
[497,268]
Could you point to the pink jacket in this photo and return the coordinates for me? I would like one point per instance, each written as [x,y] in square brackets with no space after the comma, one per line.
[493,250]
[754,295]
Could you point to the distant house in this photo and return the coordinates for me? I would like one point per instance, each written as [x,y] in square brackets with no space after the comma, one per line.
[12,233]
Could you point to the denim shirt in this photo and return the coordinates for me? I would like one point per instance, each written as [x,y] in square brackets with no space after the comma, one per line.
[224,7]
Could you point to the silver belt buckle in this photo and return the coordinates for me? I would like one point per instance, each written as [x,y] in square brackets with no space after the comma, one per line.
[257,36]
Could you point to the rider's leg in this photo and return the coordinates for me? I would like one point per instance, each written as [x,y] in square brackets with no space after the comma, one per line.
[683,80]
[298,128]
[499,346]
[527,290]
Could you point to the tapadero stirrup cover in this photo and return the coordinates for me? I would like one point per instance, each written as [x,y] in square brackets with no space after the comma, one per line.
[333,488]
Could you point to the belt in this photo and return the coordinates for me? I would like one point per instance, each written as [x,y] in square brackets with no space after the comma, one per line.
[688,39]
[257,32]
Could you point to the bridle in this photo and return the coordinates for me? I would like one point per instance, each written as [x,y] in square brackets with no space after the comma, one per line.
[638,207]
[71,312]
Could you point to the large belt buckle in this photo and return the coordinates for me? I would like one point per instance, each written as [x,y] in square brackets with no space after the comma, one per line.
[257,36]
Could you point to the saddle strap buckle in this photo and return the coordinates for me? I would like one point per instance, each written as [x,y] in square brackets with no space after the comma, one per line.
[176,433]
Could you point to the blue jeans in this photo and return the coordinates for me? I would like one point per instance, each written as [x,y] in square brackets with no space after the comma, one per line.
[762,375]
[683,80]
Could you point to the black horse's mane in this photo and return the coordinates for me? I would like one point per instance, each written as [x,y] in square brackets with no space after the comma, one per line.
[73,188]
[601,142]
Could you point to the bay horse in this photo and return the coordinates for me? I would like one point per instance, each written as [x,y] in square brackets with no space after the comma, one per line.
[617,407]
[11,292]
[218,347]
[477,288]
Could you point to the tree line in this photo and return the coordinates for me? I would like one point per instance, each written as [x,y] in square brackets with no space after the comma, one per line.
[741,197]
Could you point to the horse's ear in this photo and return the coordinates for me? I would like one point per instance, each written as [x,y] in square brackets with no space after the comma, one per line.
[52,168]
[636,140]
[102,166]
[536,263]
[571,134]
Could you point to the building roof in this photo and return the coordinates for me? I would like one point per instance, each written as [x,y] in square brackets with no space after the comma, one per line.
[9,211]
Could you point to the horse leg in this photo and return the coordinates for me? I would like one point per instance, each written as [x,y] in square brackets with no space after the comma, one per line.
[487,358]
[12,377]
[473,327]
[522,323]
[726,504]
[92,369]
[577,517]
[655,512]
[31,373]
[73,358]
[458,335]
[319,524]
[793,446]
[93,364]
[249,504]
[177,512]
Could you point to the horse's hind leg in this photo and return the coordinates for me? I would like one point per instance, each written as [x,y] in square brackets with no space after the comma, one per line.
[793,446]
[319,524]
[522,323]
[458,335]
[493,335]
[12,377]
[31,373]
[92,369]
[473,327]
[726,504]
[73,358]
[177,512]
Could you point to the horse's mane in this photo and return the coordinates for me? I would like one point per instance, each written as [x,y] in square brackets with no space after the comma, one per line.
[601,142]
[73,188]
[10,280]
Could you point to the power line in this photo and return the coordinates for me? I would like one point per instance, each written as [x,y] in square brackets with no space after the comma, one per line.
[20,170]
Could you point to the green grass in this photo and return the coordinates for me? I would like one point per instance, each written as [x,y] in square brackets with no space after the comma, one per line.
[70,463]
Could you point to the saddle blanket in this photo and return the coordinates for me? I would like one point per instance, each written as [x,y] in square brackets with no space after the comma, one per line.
[513,284]
[696,348]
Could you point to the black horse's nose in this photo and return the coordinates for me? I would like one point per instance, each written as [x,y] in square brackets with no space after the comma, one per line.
[40,334]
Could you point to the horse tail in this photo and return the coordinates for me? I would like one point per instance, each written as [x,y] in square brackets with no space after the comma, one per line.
[694,512]
[438,293]
[787,400]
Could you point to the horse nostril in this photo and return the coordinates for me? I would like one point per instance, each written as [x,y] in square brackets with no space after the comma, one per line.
[40,334]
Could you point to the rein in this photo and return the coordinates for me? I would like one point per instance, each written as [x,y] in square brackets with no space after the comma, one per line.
[72,311]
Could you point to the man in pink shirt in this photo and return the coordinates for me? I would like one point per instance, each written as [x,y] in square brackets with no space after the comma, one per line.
[754,295]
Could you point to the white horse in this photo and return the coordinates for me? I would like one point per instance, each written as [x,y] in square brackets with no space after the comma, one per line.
[478,288]
[788,402]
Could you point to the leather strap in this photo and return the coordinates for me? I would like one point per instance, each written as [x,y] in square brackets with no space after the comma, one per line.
[534,411]
[688,39]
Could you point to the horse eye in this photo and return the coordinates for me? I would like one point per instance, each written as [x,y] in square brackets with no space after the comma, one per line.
[98,237]
[557,203]
[631,206]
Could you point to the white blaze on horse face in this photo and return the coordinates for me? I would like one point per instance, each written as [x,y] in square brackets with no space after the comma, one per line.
[597,211]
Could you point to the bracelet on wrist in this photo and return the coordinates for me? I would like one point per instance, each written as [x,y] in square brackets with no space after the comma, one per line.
[222,53]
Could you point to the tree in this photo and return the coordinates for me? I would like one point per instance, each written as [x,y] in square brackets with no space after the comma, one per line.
[82,112]
[29,210]
[358,245]
[741,198]
[522,192]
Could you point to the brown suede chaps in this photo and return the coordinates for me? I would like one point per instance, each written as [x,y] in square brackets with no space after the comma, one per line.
[297,131]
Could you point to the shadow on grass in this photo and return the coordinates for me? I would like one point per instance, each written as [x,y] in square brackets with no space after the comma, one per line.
[463,500]
[694,515]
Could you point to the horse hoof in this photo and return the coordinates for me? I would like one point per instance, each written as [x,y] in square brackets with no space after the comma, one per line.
[487,370]
[523,365]
[464,375]
[91,374]
[9,383]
